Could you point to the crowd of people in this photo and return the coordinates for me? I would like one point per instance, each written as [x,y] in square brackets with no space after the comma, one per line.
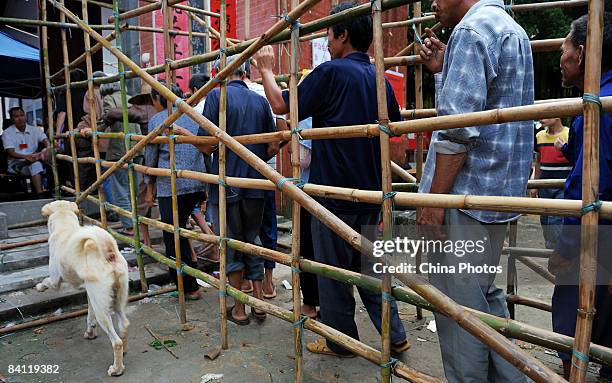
[485,64]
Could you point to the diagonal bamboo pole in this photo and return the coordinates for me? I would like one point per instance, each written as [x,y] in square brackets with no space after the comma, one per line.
[158,5]
[298,338]
[505,348]
[590,197]
[49,98]
[508,327]
[387,203]
[222,246]
[93,117]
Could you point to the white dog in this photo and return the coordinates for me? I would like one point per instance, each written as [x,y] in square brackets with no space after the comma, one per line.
[88,256]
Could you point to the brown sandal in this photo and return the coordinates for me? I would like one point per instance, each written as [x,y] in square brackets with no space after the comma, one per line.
[398,348]
[230,316]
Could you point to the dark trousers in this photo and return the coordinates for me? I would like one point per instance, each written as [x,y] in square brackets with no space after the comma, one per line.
[308,281]
[186,203]
[336,298]
[268,232]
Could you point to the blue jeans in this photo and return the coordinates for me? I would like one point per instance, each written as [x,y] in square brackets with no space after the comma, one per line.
[551,225]
[121,193]
[107,186]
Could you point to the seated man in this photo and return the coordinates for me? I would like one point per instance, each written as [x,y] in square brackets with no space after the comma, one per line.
[21,143]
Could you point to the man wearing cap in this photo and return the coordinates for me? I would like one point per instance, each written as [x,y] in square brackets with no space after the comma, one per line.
[247,113]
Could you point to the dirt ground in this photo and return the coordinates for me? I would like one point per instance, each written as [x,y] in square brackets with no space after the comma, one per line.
[258,353]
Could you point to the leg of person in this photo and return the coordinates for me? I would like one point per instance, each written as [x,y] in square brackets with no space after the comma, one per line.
[336,298]
[551,225]
[186,203]
[143,210]
[234,261]
[121,193]
[473,363]
[366,224]
[36,170]
[251,213]
[308,281]
[268,235]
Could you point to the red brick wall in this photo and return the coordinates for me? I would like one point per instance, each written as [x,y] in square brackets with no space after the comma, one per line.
[146,38]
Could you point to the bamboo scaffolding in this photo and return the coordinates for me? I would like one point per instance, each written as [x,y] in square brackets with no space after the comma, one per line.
[77,313]
[367,352]
[296,208]
[222,245]
[537,268]
[523,205]
[276,37]
[533,369]
[75,63]
[69,116]
[44,41]
[386,181]
[511,277]
[93,117]
[97,3]
[510,328]
[8,246]
[590,189]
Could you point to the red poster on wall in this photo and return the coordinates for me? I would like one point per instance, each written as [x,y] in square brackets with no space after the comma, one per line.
[215,6]
[181,45]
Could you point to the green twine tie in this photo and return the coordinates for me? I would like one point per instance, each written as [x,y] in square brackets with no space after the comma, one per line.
[593,99]
[593,206]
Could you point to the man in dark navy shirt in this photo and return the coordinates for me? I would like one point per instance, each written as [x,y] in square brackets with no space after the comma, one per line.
[247,113]
[341,92]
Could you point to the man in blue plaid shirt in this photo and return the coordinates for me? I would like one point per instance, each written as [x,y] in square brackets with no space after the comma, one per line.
[486,64]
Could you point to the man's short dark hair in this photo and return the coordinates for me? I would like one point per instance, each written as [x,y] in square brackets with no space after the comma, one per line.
[162,100]
[359,29]
[198,80]
[13,109]
[578,36]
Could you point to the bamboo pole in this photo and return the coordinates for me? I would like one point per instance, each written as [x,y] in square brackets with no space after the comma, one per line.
[402,173]
[296,208]
[537,268]
[510,328]
[508,350]
[590,189]
[130,171]
[98,3]
[77,313]
[69,119]
[523,205]
[511,279]
[169,55]
[93,117]
[386,181]
[529,302]
[222,246]
[183,107]
[8,246]
[418,103]
[44,37]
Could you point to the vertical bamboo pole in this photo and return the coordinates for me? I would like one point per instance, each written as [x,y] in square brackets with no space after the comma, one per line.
[168,54]
[590,190]
[295,211]
[247,19]
[69,121]
[418,104]
[131,175]
[93,118]
[511,277]
[190,37]
[49,97]
[222,201]
[387,206]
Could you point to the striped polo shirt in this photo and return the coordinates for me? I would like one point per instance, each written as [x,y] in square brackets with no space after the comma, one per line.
[552,159]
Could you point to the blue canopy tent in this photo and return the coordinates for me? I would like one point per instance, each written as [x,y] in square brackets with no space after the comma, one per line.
[20,69]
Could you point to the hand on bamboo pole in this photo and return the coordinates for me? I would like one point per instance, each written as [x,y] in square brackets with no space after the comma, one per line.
[432,52]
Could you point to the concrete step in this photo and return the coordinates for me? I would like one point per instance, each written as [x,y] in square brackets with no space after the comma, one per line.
[18,305]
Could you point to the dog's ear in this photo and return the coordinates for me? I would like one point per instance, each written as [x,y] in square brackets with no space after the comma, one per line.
[74,207]
[46,210]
